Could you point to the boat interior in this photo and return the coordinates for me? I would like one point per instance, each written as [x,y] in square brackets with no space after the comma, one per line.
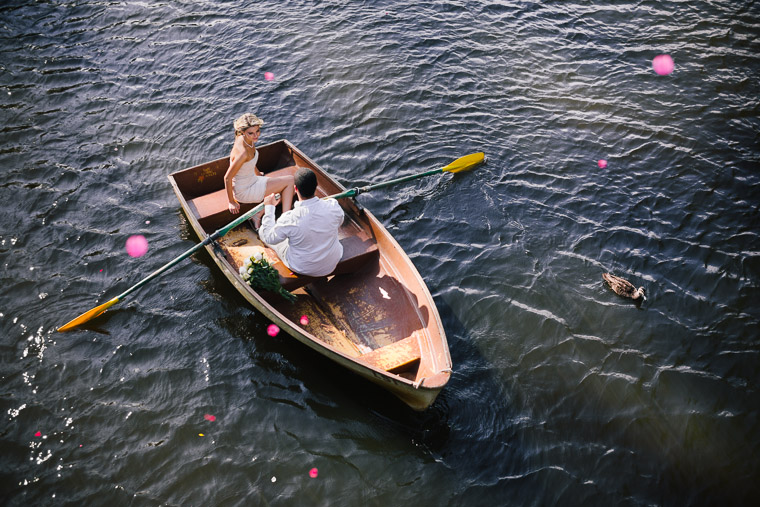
[363,309]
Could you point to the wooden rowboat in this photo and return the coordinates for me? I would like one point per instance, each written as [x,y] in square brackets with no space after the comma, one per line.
[374,315]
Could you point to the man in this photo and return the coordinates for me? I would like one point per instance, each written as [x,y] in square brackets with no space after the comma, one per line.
[306,237]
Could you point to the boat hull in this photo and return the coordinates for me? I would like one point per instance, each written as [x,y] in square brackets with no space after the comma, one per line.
[378,319]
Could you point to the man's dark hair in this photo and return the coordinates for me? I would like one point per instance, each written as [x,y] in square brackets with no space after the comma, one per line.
[306,182]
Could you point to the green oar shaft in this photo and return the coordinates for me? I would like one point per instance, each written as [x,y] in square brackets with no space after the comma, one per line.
[461,164]
[211,238]
[399,180]
[227,228]
[353,192]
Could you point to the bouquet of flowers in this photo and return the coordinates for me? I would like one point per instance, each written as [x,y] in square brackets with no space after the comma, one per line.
[259,274]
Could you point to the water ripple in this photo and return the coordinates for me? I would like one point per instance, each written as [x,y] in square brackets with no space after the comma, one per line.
[562,393]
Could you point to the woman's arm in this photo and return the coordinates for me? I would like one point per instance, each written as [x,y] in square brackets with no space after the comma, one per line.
[236,162]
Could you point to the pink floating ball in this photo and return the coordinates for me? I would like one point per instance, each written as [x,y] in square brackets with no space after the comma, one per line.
[602,163]
[38,434]
[272,330]
[137,245]
[663,64]
[209,417]
[304,320]
[313,473]
[268,76]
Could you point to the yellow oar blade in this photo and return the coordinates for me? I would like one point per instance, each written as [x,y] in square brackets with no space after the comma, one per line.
[465,163]
[88,315]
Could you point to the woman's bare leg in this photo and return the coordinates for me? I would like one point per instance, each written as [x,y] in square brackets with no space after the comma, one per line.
[285,186]
[285,171]
[281,181]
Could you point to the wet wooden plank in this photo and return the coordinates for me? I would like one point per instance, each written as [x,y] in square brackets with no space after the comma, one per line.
[395,355]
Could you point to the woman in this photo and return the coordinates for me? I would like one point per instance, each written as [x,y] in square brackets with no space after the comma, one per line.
[243,181]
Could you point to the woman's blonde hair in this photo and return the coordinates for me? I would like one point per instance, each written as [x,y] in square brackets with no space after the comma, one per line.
[245,122]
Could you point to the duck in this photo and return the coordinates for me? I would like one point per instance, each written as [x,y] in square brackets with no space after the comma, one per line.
[623,287]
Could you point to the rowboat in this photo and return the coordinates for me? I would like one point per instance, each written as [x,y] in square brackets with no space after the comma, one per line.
[373,315]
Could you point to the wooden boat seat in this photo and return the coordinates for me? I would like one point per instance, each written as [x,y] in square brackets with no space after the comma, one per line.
[357,252]
[212,210]
[359,249]
[395,356]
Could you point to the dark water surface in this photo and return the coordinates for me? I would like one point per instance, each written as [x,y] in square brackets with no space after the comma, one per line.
[562,393]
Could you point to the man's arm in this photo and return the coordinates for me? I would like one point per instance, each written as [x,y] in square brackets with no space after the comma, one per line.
[272,232]
[336,210]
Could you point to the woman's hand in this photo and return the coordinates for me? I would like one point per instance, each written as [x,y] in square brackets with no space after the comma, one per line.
[234,207]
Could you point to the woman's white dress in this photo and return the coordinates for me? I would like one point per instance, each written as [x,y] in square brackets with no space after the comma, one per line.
[247,186]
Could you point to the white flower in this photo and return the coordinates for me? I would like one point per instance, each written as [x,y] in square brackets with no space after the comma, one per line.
[241,270]
[247,263]
[250,271]
[258,256]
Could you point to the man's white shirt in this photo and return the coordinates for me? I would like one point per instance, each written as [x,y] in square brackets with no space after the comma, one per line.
[310,230]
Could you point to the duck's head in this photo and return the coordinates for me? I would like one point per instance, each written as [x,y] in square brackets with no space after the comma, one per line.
[640,293]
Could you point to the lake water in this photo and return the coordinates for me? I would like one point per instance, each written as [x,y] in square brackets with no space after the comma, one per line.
[562,394]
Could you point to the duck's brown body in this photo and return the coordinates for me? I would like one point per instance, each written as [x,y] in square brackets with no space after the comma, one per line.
[623,287]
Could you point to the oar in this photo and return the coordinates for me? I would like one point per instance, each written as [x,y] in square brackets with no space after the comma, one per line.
[461,164]
[91,314]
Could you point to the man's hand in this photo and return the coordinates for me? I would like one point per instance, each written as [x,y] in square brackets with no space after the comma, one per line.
[271,199]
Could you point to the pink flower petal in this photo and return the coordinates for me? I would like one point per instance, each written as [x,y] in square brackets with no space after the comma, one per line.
[209,417]
[273,330]
[313,473]
[268,76]
[137,245]
[602,164]
[663,64]
[304,320]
